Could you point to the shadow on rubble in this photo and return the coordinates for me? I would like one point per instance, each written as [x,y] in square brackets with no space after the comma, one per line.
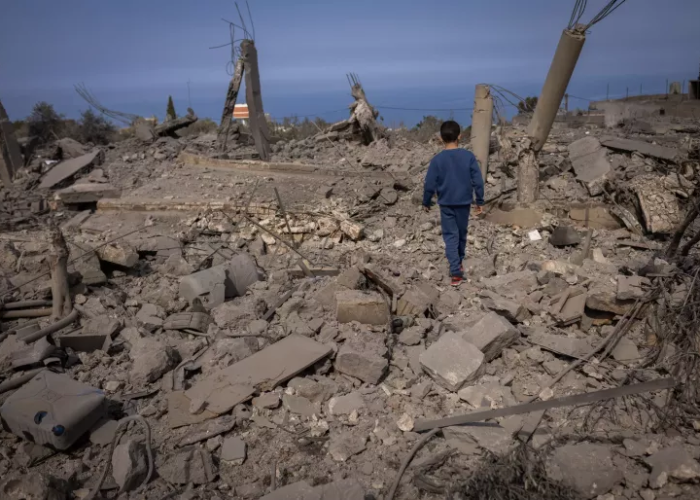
[518,475]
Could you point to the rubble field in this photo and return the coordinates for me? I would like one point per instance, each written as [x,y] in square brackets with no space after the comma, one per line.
[236,329]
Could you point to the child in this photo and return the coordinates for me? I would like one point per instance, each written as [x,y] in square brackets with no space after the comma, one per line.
[455,175]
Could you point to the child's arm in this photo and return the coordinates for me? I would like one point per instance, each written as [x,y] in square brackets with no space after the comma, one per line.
[430,185]
[477,181]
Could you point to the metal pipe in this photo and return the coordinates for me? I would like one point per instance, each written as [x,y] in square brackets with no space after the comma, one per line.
[62,323]
[26,313]
[24,304]
[481,126]
[560,72]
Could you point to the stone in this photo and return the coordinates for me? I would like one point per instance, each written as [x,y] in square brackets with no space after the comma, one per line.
[604,298]
[299,405]
[176,265]
[590,163]
[561,344]
[345,444]
[233,450]
[361,360]
[152,358]
[515,284]
[626,351]
[236,275]
[487,395]
[564,236]
[368,308]
[150,317]
[352,230]
[422,389]
[345,405]
[512,311]
[197,321]
[491,334]
[675,462]
[317,391]
[67,148]
[412,335]
[118,254]
[417,299]
[632,287]
[452,361]
[268,401]
[129,465]
[597,255]
[553,366]
[587,467]
[300,490]
[29,485]
[351,278]
[388,196]
[257,327]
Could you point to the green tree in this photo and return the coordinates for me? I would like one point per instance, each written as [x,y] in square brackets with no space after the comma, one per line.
[528,105]
[170,113]
[95,128]
[44,123]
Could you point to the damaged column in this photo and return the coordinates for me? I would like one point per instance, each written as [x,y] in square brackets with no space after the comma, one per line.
[10,153]
[553,91]
[481,126]
[258,122]
[231,97]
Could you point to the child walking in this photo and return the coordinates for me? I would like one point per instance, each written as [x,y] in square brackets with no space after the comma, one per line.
[455,176]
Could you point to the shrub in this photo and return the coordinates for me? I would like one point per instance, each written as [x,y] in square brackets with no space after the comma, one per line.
[528,105]
[95,128]
[44,123]
[170,113]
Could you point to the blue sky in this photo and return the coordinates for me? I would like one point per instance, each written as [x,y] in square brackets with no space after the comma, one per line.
[134,53]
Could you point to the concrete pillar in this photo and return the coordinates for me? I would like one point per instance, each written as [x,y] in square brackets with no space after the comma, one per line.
[560,71]
[10,151]
[231,96]
[258,122]
[481,126]
[528,177]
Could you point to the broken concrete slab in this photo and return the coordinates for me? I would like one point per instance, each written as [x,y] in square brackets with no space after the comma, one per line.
[673,462]
[660,209]
[152,358]
[96,334]
[564,236]
[525,218]
[363,356]
[587,467]
[88,266]
[345,444]
[598,218]
[299,405]
[68,148]
[517,284]
[368,308]
[644,148]
[488,436]
[590,163]
[88,192]
[118,254]
[129,467]
[352,230]
[602,297]
[625,351]
[632,287]
[264,370]
[68,168]
[491,334]
[236,275]
[417,299]
[233,450]
[345,405]
[351,278]
[295,491]
[452,361]
[560,344]
[512,311]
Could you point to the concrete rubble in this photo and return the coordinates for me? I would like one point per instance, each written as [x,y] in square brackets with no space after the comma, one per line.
[289,352]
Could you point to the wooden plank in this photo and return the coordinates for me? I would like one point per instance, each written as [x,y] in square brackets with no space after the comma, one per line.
[264,370]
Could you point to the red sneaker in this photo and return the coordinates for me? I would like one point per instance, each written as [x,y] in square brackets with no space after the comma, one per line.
[456,280]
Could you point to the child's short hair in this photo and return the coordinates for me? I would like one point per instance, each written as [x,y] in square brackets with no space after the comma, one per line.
[449,131]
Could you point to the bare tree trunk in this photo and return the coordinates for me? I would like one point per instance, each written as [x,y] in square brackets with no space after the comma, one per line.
[231,96]
[58,259]
[258,122]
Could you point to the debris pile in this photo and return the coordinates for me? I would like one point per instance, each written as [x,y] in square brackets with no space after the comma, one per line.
[285,329]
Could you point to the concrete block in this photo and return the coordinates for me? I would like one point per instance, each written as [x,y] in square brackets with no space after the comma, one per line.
[452,361]
[367,308]
[512,311]
[119,255]
[417,300]
[236,276]
[65,169]
[363,356]
[351,278]
[491,334]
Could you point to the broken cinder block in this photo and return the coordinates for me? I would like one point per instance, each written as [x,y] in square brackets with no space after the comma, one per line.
[491,334]
[452,361]
[367,308]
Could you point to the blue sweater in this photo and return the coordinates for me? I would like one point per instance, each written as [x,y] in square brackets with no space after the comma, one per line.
[455,175]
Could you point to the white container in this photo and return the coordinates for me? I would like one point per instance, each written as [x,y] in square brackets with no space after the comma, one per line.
[53,410]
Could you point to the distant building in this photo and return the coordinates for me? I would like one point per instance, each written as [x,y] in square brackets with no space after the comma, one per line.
[240,112]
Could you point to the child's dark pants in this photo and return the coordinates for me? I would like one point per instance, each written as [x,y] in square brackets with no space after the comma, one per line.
[454,221]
